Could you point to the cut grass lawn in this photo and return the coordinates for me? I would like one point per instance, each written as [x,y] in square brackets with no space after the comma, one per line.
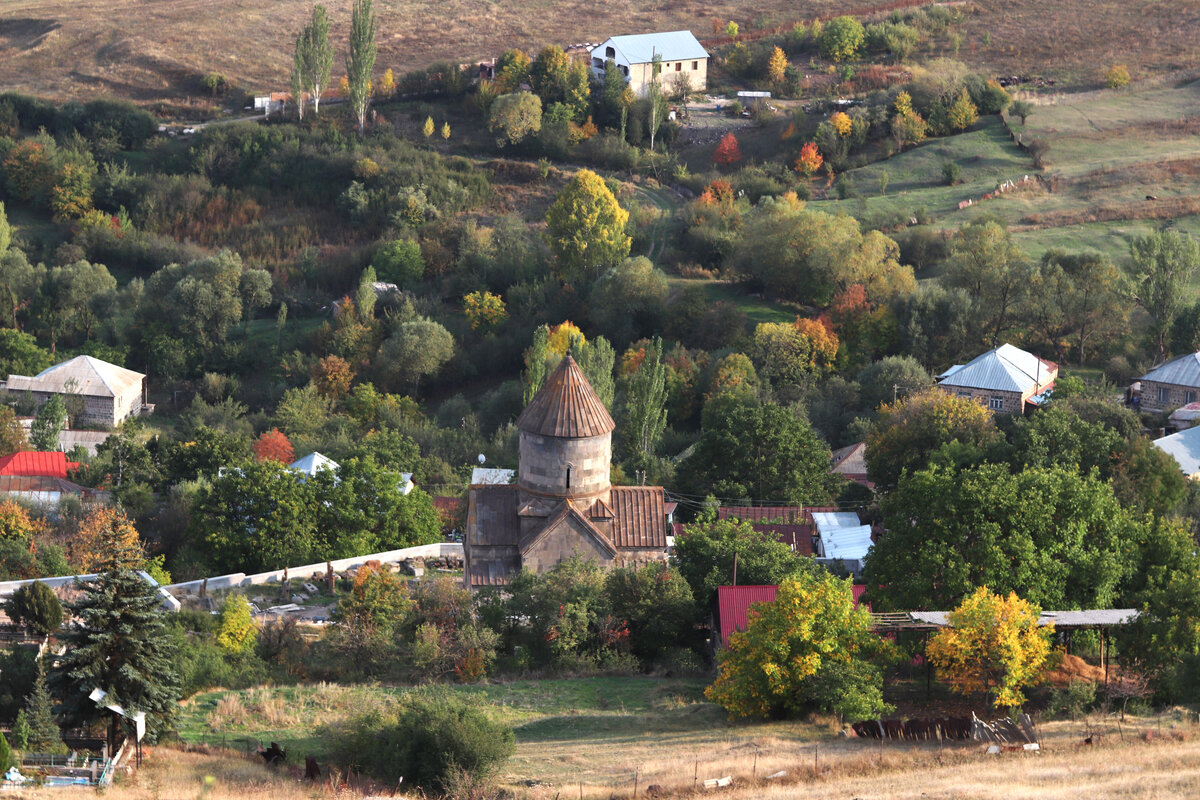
[756,309]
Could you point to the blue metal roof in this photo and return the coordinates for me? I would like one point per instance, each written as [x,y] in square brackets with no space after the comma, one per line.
[641,48]
[1182,371]
[1007,368]
[1184,447]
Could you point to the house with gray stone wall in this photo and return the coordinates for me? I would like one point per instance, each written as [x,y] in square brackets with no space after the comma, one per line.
[95,392]
[1171,384]
[563,503]
[1003,380]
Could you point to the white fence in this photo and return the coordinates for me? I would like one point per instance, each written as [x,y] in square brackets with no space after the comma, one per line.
[8,587]
[239,580]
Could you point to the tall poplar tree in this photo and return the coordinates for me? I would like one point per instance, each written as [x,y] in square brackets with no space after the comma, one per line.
[120,646]
[360,58]
[318,55]
[644,405]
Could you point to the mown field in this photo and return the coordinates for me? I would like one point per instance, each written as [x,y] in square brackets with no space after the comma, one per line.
[593,736]
[159,51]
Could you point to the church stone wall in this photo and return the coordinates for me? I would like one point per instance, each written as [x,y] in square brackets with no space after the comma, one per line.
[545,461]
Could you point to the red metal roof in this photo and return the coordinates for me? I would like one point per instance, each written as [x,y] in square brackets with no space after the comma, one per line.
[733,605]
[797,537]
[31,463]
[792,514]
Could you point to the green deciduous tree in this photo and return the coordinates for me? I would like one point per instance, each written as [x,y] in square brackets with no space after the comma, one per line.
[806,651]
[629,301]
[416,349]
[1162,264]
[376,606]
[842,38]
[655,603]
[365,510]
[202,299]
[1058,537]
[762,452]
[513,117]
[706,552]
[889,379]
[360,58]
[587,227]
[314,56]
[642,409]
[986,262]
[907,432]
[236,630]
[993,645]
[119,645]
[1077,302]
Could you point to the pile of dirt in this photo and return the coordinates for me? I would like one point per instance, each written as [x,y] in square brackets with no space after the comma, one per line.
[1075,668]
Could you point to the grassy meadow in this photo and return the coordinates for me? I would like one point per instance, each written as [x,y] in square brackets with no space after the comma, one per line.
[592,736]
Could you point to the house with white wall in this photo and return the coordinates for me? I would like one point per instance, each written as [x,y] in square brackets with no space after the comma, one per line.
[683,58]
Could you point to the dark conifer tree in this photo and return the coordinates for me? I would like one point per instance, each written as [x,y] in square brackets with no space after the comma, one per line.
[119,645]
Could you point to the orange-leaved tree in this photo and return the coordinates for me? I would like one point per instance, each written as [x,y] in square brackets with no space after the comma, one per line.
[993,646]
[273,445]
[484,309]
[809,650]
[106,541]
[822,340]
[16,524]
[728,152]
[810,159]
[332,376]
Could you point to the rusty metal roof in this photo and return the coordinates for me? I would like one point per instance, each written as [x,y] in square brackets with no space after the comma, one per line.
[492,516]
[641,519]
[797,515]
[797,536]
[566,406]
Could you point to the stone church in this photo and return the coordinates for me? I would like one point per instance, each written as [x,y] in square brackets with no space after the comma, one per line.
[563,503]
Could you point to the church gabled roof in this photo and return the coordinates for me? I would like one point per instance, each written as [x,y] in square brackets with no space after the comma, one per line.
[566,406]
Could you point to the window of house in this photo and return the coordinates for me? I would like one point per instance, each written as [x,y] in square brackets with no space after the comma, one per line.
[610,52]
[695,65]
[678,66]
[1189,397]
[1164,394]
[996,403]
[625,70]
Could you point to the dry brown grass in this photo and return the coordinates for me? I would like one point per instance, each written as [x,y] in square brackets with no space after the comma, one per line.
[153,50]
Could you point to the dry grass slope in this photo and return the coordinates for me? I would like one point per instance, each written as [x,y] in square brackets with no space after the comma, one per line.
[159,50]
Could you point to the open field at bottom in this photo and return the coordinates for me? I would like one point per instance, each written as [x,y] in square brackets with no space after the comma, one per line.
[1167,765]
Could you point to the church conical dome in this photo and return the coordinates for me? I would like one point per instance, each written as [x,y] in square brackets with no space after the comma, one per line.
[566,406]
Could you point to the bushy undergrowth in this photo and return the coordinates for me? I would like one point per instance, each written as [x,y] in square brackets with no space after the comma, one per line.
[432,742]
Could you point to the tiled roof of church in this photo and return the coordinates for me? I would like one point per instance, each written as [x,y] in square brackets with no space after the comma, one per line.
[566,406]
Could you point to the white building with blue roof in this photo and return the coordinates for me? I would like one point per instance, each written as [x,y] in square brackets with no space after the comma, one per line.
[683,58]
[1004,380]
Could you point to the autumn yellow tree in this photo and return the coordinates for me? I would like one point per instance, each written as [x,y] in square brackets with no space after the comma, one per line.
[387,84]
[823,342]
[993,645]
[16,524]
[428,129]
[562,335]
[236,629]
[963,113]
[809,650]
[484,310]
[841,123]
[446,131]
[106,541]
[777,65]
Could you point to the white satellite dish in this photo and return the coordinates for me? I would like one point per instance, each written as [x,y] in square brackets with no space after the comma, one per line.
[482,458]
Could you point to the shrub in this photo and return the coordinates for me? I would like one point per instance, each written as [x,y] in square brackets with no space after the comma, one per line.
[1117,76]
[951,173]
[1078,698]
[430,741]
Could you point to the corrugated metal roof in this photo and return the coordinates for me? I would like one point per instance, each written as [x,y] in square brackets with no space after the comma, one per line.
[640,48]
[733,606]
[566,407]
[1006,369]
[91,376]
[827,521]
[88,440]
[312,462]
[641,520]
[51,464]
[1182,371]
[850,460]
[847,544]
[1060,619]
[39,483]
[791,514]
[799,537]
[1184,447]
[492,476]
